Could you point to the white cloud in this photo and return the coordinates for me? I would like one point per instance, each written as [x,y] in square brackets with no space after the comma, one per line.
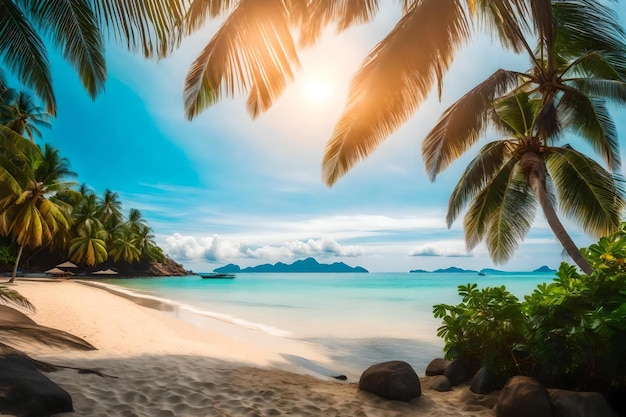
[218,249]
[434,250]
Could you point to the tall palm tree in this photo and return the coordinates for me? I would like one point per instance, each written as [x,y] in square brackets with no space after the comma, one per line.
[30,212]
[507,178]
[75,28]
[88,246]
[135,221]
[109,209]
[20,114]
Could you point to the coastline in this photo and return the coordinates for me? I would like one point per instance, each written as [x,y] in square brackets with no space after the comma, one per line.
[167,367]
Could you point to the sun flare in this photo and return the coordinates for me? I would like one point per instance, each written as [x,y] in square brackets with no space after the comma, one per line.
[316,90]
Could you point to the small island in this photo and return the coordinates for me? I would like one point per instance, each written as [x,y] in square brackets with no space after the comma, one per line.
[455,270]
[308,265]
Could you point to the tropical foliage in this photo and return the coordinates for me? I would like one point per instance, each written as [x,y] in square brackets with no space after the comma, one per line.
[39,207]
[570,333]
[575,71]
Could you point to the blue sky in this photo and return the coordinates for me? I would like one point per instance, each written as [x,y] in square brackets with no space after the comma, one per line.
[228,189]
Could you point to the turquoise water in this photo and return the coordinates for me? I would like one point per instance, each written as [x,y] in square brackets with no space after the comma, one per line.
[356,319]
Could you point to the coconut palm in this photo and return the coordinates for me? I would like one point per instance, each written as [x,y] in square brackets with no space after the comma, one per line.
[88,247]
[508,177]
[573,76]
[136,222]
[123,248]
[109,209]
[20,114]
[29,211]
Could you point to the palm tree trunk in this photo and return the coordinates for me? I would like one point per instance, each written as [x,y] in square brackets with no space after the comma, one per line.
[535,170]
[17,262]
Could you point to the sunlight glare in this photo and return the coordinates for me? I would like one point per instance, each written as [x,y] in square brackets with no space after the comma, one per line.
[316,90]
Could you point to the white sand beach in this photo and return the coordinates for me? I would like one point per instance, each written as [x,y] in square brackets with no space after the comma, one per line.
[159,366]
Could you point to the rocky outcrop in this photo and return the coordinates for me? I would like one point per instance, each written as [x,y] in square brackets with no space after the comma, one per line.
[167,268]
[394,380]
[523,397]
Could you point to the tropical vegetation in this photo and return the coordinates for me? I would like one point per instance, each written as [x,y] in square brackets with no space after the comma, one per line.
[570,333]
[40,207]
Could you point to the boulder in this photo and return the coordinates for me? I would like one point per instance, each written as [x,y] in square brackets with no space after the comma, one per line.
[26,392]
[437,366]
[440,383]
[523,397]
[579,404]
[394,380]
[484,382]
[458,372]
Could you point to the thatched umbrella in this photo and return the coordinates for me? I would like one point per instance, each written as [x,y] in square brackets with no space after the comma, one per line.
[105,272]
[67,264]
[57,272]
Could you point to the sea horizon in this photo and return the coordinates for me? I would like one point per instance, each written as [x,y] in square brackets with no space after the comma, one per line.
[354,319]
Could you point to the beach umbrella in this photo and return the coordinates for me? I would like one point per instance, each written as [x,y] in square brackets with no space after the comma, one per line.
[67,264]
[105,272]
[57,271]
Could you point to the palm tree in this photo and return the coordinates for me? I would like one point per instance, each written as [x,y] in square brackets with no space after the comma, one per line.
[20,114]
[88,246]
[109,209]
[30,212]
[123,248]
[575,71]
[135,221]
[508,177]
[75,29]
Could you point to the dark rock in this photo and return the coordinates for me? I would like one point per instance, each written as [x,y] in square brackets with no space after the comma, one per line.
[341,377]
[458,372]
[26,392]
[394,380]
[440,383]
[437,367]
[579,404]
[484,382]
[523,397]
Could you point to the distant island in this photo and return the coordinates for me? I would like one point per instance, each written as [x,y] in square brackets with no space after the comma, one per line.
[303,266]
[484,271]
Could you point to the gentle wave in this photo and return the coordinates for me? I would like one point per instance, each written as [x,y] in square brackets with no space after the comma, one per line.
[271,330]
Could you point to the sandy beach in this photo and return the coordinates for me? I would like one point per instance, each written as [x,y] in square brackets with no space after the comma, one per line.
[159,366]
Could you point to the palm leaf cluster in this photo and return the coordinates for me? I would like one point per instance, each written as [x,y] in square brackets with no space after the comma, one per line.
[39,207]
[576,71]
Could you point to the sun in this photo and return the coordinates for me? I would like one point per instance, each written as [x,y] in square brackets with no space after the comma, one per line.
[316,90]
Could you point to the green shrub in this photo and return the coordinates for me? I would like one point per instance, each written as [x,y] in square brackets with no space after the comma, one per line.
[5,255]
[570,333]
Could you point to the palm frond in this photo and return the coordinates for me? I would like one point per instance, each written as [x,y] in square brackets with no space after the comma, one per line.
[394,80]
[518,112]
[478,173]
[576,35]
[485,203]
[510,19]
[510,223]
[590,119]
[461,124]
[143,25]
[200,11]
[315,16]
[24,53]
[587,193]
[253,51]
[10,296]
[73,27]
[593,65]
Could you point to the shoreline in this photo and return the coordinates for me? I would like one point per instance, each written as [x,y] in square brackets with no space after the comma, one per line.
[167,367]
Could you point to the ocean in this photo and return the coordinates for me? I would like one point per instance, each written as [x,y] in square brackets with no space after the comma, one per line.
[355,319]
